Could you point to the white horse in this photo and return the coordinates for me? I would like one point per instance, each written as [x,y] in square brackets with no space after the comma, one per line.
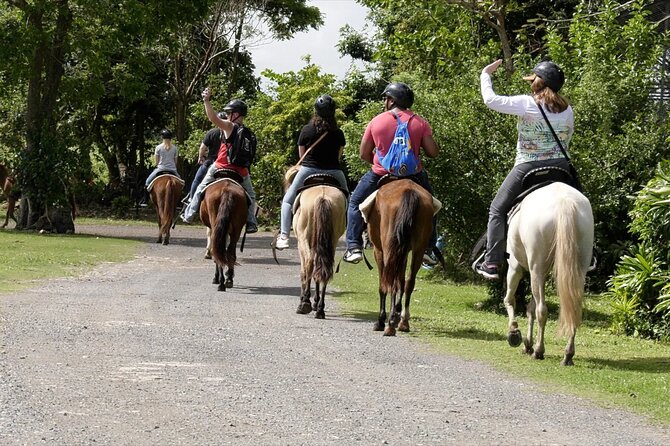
[553,226]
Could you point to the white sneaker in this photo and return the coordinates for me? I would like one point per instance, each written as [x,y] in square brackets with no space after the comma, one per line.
[281,243]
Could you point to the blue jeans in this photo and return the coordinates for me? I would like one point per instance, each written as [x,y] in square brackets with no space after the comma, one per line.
[199,175]
[366,186]
[502,204]
[155,173]
[194,205]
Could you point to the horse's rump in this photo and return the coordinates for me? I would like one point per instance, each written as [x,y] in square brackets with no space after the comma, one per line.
[321,221]
[224,210]
[401,222]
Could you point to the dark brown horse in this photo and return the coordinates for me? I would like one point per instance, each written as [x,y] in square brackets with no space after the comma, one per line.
[400,221]
[224,212]
[6,184]
[165,193]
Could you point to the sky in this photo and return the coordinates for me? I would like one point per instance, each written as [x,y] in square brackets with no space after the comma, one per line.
[283,56]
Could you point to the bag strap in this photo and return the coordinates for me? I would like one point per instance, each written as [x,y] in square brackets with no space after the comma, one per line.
[544,115]
[398,117]
[323,135]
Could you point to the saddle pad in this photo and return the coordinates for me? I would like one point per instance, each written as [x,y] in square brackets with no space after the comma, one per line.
[369,202]
[232,181]
[151,185]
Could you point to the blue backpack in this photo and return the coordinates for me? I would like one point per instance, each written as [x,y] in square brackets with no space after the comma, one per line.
[400,159]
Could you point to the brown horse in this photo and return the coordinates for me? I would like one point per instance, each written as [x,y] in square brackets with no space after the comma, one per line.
[165,193]
[6,184]
[224,212]
[399,222]
[319,222]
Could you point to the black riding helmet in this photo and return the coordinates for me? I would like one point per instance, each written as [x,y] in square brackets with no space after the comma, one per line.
[236,106]
[325,106]
[402,95]
[166,134]
[551,74]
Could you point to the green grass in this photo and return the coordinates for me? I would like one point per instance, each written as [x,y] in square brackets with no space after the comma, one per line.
[26,256]
[612,370]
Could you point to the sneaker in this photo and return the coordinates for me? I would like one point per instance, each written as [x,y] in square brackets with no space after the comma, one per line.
[429,257]
[488,271]
[282,242]
[251,228]
[184,219]
[353,255]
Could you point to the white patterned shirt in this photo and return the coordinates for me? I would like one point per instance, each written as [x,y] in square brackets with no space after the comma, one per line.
[535,141]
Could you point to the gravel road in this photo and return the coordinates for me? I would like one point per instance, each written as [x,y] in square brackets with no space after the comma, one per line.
[149,353]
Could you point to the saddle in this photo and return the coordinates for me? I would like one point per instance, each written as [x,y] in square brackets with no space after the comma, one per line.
[160,174]
[224,174]
[537,179]
[318,179]
[390,177]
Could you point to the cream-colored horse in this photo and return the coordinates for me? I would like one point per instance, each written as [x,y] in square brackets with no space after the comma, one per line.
[319,221]
[553,227]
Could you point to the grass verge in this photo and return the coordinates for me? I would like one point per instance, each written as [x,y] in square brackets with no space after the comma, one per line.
[26,256]
[613,371]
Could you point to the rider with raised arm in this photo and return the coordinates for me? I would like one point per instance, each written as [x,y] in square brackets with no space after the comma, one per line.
[536,146]
[326,141]
[236,111]
[378,137]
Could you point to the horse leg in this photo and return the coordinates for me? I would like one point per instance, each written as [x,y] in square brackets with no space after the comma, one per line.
[417,259]
[393,317]
[230,274]
[208,250]
[541,310]
[305,305]
[222,281]
[514,275]
[381,320]
[530,314]
[320,301]
[217,275]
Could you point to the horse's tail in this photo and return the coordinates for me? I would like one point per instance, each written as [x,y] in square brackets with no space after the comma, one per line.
[322,241]
[221,229]
[400,242]
[568,272]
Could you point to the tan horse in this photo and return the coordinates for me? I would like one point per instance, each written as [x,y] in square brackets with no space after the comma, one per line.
[400,221]
[6,184]
[224,212]
[165,193]
[319,221]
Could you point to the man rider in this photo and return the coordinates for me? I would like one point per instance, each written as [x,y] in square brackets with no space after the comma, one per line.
[236,111]
[379,134]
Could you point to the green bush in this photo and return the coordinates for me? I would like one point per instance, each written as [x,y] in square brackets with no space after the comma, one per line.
[640,289]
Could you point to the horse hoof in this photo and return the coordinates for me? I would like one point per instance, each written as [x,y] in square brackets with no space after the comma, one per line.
[537,355]
[304,308]
[403,326]
[320,315]
[228,283]
[567,360]
[527,350]
[166,242]
[514,338]
[378,326]
[221,288]
[208,256]
[390,331]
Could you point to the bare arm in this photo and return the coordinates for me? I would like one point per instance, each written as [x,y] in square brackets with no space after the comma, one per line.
[429,146]
[223,124]
[301,151]
[366,149]
[202,153]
